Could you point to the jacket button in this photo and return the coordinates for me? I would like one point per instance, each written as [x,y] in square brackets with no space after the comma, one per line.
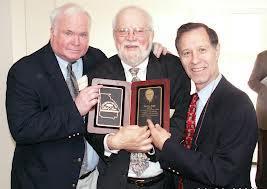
[74,135]
[69,136]
[74,185]
[79,159]
[78,134]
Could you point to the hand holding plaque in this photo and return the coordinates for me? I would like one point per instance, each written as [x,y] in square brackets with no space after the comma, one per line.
[123,103]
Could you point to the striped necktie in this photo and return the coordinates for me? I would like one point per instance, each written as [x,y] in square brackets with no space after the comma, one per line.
[72,81]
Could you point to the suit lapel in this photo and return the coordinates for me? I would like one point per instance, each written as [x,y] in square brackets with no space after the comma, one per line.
[54,73]
[154,70]
[117,68]
[203,125]
[86,64]
[89,61]
[206,122]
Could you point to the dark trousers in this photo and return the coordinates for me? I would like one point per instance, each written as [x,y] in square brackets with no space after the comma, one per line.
[261,175]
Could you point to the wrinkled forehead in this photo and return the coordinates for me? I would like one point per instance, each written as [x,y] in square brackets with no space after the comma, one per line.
[194,38]
[76,21]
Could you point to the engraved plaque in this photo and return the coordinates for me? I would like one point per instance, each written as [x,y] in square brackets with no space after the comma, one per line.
[109,110]
[149,105]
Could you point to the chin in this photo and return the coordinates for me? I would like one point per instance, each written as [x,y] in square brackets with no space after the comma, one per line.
[132,63]
[197,80]
[75,57]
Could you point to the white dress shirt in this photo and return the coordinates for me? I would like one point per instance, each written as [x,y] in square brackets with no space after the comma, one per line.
[154,168]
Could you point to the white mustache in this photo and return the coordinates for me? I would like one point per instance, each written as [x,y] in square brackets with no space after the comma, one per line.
[130,44]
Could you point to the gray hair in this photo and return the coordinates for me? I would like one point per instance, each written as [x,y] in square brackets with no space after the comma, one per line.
[67,9]
[146,14]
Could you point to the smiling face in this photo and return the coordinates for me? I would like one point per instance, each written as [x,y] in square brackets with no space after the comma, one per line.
[199,57]
[133,36]
[70,35]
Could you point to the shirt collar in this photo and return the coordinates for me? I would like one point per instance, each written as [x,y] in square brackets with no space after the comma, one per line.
[206,92]
[141,66]
[77,67]
[64,63]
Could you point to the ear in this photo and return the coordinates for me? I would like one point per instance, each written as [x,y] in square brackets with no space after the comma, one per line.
[114,38]
[114,35]
[52,31]
[218,48]
[152,34]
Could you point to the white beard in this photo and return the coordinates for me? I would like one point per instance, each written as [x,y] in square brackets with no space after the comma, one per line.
[136,58]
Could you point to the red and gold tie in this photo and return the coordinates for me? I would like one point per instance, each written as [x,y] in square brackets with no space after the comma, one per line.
[189,129]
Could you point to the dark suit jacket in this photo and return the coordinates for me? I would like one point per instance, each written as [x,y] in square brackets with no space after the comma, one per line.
[221,156]
[45,122]
[114,174]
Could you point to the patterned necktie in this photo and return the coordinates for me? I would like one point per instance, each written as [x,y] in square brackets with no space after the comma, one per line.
[189,129]
[72,81]
[74,91]
[134,72]
[138,161]
[191,122]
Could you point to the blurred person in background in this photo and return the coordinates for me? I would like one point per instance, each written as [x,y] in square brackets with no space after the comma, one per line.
[258,83]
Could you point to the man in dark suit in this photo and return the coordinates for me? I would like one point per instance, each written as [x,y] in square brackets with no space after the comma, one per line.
[221,128]
[45,121]
[133,35]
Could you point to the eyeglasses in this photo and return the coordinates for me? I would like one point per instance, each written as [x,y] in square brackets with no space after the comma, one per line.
[138,32]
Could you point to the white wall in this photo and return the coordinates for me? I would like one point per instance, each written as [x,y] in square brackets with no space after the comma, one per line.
[241,26]
[6,144]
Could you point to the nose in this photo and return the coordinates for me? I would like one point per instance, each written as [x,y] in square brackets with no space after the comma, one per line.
[76,40]
[195,58]
[131,36]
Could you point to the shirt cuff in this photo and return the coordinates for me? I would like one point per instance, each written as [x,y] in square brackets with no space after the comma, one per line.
[107,151]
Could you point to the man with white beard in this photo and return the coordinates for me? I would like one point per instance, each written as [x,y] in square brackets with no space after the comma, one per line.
[133,35]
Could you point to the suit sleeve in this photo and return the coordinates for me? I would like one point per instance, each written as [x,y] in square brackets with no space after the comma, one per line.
[98,56]
[259,72]
[220,160]
[30,116]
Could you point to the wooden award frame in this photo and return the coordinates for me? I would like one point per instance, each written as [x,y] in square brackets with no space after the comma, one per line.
[124,103]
